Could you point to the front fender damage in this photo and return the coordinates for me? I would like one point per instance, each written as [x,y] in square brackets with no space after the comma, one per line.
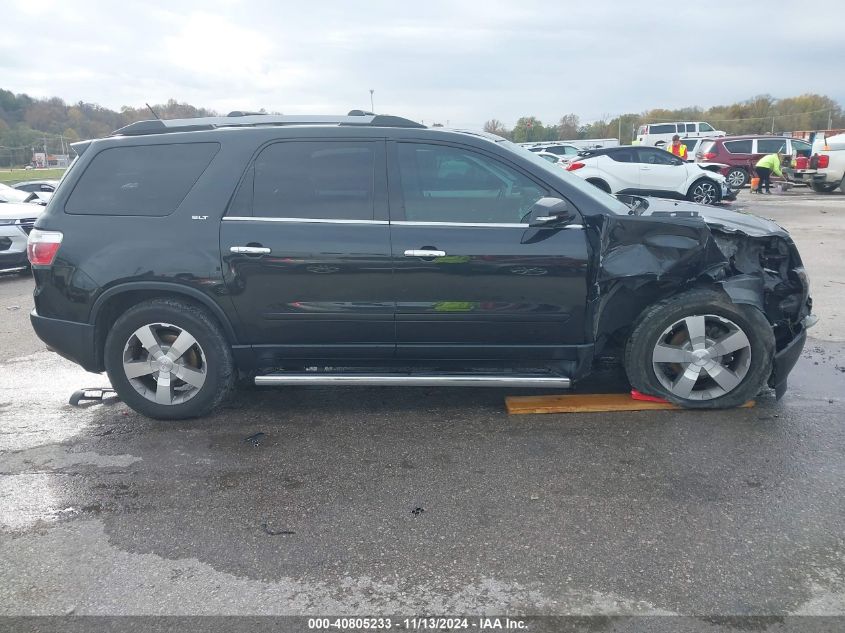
[642,259]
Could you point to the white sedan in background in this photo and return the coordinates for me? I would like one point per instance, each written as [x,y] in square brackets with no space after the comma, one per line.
[555,159]
[16,221]
[649,171]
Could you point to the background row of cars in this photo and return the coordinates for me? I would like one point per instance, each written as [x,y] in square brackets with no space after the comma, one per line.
[819,165]
[20,206]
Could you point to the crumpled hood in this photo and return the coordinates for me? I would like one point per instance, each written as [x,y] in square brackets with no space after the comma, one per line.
[724,219]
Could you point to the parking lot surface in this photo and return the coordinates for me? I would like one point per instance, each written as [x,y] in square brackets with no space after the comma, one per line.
[414,500]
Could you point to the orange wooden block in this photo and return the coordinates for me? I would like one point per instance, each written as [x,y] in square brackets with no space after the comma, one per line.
[587,403]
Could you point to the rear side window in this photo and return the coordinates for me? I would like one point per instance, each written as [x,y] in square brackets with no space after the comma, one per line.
[690,127]
[148,180]
[738,147]
[314,180]
[665,128]
[563,150]
[771,145]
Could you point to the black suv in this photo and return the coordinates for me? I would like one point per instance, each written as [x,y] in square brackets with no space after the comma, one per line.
[181,256]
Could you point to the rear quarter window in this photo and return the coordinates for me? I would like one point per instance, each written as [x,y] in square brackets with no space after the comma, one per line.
[706,146]
[146,180]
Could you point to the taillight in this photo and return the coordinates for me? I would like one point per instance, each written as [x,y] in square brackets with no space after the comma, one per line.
[574,166]
[709,155]
[824,161]
[42,246]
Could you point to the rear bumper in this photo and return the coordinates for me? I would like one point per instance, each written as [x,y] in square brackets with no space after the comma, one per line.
[71,340]
[813,175]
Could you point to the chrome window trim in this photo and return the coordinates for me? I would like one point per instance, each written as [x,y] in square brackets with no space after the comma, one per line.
[233,218]
[500,225]
[481,224]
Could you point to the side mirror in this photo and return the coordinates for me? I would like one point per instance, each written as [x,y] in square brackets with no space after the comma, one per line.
[548,211]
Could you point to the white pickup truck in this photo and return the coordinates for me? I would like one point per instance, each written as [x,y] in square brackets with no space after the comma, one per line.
[826,170]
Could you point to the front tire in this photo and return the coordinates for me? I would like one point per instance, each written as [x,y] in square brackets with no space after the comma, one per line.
[705,191]
[737,178]
[700,351]
[169,360]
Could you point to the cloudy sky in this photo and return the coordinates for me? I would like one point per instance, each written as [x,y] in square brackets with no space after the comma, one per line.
[458,61]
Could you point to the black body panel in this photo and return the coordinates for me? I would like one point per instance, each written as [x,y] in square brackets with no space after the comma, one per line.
[344,291]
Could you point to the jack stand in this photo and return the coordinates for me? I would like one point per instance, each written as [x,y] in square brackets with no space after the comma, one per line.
[91,394]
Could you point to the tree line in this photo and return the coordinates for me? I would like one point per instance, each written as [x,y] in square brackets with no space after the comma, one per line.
[28,123]
[762,114]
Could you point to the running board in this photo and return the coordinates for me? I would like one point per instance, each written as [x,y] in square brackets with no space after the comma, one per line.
[415,380]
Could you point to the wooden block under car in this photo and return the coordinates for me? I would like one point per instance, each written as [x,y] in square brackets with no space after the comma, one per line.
[587,403]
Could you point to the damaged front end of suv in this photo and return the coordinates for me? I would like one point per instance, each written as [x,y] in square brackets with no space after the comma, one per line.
[664,247]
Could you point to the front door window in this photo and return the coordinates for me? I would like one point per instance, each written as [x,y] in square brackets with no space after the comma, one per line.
[450,184]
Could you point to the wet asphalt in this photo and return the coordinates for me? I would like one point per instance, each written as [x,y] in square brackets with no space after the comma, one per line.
[313,500]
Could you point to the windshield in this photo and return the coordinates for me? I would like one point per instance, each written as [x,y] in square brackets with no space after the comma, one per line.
[604,199]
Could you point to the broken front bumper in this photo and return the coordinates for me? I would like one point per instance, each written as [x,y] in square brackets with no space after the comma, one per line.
[786,358]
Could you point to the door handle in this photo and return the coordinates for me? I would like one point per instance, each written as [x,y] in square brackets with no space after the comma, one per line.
[249,250]
[424,253]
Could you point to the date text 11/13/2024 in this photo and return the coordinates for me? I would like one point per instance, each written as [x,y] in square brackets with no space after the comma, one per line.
[418,623]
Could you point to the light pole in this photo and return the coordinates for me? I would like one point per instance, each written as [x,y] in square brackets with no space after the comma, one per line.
[372,107]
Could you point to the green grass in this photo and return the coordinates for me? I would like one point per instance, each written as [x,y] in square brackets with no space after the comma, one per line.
[17,175]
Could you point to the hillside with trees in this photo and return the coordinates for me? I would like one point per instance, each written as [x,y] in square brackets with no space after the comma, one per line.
[27,123]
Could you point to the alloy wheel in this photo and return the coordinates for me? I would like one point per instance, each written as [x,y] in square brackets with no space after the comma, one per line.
[164,363]
[736,178]
[704,193]
[701,357]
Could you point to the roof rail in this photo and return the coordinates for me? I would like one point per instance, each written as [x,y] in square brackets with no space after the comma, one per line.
[249,119]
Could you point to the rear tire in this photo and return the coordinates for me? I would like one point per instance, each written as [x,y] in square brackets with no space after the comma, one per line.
[822,188]
[169,360]
[699,341]
[737,177]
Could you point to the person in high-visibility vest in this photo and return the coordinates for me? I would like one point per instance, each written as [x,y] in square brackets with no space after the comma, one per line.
[677,148]
[765,167]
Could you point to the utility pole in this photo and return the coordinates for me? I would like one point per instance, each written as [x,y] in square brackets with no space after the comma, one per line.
[830,119]
[372,107]
[619,134]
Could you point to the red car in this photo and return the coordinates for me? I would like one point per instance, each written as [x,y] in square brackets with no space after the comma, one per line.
[741,153]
